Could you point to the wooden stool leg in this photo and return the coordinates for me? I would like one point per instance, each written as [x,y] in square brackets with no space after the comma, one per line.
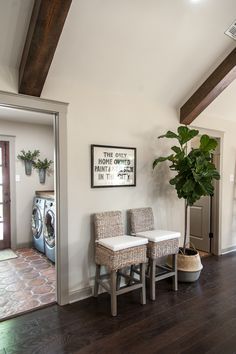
[97,276]
[118,280]
[175,277]
[113,293]
[131,274]
[153,280]
[148,267]
[143,281]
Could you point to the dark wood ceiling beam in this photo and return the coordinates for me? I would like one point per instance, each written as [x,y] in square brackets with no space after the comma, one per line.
[46,24]
[210,89]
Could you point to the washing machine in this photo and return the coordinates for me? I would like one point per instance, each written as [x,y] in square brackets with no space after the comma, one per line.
[50,228]
[38,223]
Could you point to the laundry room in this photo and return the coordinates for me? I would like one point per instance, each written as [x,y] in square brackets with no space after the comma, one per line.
[27,211]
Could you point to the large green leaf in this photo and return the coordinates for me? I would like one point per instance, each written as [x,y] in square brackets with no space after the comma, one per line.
[169,135]
[161,159]
[189,186]
[174,180]
[194,170]
[176,149]
[207,187]
[186,134]
[207,143]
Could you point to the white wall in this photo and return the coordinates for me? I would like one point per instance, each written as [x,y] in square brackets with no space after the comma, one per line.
[28,137]
[97,117]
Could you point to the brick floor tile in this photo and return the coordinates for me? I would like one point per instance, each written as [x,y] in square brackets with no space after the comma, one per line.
[37,282]
[26,282]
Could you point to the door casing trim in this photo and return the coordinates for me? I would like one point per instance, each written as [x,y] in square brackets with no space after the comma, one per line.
[59,110]
[11,140]
[217,241]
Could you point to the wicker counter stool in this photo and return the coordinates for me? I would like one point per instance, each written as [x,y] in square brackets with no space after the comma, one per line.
[114,250]
[160,243]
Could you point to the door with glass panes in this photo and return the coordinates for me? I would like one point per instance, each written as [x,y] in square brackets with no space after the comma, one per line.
[5,236]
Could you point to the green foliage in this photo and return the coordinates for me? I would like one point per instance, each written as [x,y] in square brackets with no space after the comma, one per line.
[29,155]
[195,171]
[183,136]
[42,164]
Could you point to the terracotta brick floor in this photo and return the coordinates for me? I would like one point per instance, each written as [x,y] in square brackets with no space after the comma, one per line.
[26,282]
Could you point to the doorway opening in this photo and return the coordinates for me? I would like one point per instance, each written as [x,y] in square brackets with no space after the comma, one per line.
[58,110]
[204,214]
[27,211]
[5,229]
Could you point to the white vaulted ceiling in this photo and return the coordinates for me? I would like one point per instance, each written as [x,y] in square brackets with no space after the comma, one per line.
[14,21]
[159,48]
[224,106]
[162,48]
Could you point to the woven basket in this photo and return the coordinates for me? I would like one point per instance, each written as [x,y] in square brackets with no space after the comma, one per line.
[189,265]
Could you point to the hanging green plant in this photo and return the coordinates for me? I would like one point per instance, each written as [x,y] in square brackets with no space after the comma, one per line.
[42,166]
[28,157]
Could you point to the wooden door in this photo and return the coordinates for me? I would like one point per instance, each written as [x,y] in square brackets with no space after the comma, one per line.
[200,224]
[5,232]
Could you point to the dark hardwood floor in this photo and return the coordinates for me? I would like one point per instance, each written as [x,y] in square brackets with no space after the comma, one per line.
[199,318]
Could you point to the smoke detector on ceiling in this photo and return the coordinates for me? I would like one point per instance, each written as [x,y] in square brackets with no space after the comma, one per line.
[231,31]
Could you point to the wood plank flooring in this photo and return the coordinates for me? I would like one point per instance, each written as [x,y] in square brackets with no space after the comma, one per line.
[199,318]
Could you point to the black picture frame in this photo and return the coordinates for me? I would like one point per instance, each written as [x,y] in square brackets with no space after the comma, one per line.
[113,166]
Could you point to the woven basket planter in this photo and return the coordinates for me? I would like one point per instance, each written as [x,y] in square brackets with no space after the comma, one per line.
[189,265]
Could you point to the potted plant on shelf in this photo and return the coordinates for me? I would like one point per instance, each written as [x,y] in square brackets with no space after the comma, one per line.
[42,166]
[194,178]
[28,157]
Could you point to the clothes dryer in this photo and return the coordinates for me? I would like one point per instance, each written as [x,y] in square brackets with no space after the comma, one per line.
[50,229]
[37,223]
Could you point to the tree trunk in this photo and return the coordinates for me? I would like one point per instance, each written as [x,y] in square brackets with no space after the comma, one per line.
[185,226]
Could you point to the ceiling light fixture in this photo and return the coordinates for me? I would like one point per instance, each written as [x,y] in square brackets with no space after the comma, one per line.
[231,31]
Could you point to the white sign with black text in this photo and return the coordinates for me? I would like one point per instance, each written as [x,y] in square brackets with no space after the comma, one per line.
[113,166]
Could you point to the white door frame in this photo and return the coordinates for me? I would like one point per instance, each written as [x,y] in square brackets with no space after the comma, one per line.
[59,110]
[217,243]
[11,140]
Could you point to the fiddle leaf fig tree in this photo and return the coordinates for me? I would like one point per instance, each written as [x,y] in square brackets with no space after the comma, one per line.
[194,169]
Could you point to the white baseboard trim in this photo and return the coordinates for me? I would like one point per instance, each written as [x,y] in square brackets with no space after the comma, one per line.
[80,294]
[24,245]
[228,250]
[86,292]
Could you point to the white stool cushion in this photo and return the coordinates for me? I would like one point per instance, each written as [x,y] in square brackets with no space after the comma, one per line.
[159,235]
[119,243]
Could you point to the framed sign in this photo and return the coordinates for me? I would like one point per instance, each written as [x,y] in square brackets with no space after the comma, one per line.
[113,166]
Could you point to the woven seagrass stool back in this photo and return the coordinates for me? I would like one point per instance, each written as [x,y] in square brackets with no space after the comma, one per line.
[114,250]
[108,224]
[142,223]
